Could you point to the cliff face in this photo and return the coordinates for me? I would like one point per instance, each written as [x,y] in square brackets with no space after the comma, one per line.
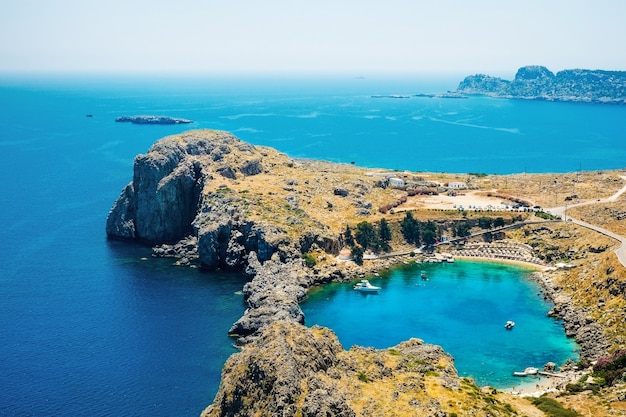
[174,195]
[537,82]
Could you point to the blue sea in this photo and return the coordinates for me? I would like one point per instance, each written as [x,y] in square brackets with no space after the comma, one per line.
[90,328]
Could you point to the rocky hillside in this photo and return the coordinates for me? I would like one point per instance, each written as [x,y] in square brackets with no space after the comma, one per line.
[537,82]
[291,370]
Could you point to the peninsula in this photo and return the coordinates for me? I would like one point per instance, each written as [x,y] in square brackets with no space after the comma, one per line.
[152,120]
[539,83]
[209,200]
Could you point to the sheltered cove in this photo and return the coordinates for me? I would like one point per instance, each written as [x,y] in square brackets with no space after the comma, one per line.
[206,198]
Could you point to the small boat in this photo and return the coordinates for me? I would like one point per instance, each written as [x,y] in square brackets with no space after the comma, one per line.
[531,371]
[509,325]
[365,286]
[527,372]
[424,275]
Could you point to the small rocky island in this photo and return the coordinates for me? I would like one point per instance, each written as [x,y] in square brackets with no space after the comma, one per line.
[539,83]
[207,199]
[152,120]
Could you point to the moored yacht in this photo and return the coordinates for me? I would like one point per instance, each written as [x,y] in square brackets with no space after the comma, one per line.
[365,286]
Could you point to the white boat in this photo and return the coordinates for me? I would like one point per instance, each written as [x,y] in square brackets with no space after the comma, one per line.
[365,286]
[527,372]
[531,371]
[509,325]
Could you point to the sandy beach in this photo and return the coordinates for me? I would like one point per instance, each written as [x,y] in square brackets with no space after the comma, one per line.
[536,386]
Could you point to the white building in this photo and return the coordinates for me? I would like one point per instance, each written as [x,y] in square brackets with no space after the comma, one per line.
[396,182]
[457,186]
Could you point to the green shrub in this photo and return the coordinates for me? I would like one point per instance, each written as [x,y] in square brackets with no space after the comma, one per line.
[553,408]
[362,377]
[546,216]
[309,259]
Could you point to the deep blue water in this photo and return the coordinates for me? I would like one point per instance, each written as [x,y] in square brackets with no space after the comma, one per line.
[89,328]
[462,307]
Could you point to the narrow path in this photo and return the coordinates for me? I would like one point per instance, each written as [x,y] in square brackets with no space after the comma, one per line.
[562,211]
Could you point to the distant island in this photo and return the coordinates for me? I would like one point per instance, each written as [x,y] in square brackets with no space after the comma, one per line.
[449,94]
[539,83]
[152,120]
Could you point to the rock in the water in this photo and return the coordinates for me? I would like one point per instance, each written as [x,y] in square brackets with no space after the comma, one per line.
[152,120]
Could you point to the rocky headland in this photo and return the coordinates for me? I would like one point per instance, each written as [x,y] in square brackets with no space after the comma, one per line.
[207,199]
[152,120]
[317,377]
[539,83]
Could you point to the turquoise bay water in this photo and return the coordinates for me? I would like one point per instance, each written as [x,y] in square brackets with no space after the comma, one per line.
[462,307]
[89,328]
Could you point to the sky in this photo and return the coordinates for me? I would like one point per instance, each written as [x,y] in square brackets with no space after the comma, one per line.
[359,37]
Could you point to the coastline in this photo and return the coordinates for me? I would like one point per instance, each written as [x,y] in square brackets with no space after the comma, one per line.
[540,385]
[286,248]
[524,264]
[531,386]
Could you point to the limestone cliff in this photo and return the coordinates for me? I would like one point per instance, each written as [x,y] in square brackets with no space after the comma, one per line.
[182,187]
[537,82]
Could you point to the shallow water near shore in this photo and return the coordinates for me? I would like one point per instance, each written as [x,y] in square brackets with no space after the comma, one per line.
[462,307]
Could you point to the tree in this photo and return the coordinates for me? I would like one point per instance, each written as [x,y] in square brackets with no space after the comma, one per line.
[410,229]
[485,222]
[347,235]
[498,222]
[430,233]
[366,235]
[462,229]
[357,255]
[384,234]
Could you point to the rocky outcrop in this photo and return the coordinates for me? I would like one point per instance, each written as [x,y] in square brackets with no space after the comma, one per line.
[292,370]
[539,83]
[577,321]
[167,201]
[152,120]
[275,291]
[281,373]
[162,200]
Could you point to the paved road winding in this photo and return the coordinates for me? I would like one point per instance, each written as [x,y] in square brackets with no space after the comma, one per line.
[562,211]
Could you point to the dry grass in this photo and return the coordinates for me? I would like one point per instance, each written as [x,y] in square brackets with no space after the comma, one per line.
[551,190]
[310,186]
[405,392]
[611,216]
